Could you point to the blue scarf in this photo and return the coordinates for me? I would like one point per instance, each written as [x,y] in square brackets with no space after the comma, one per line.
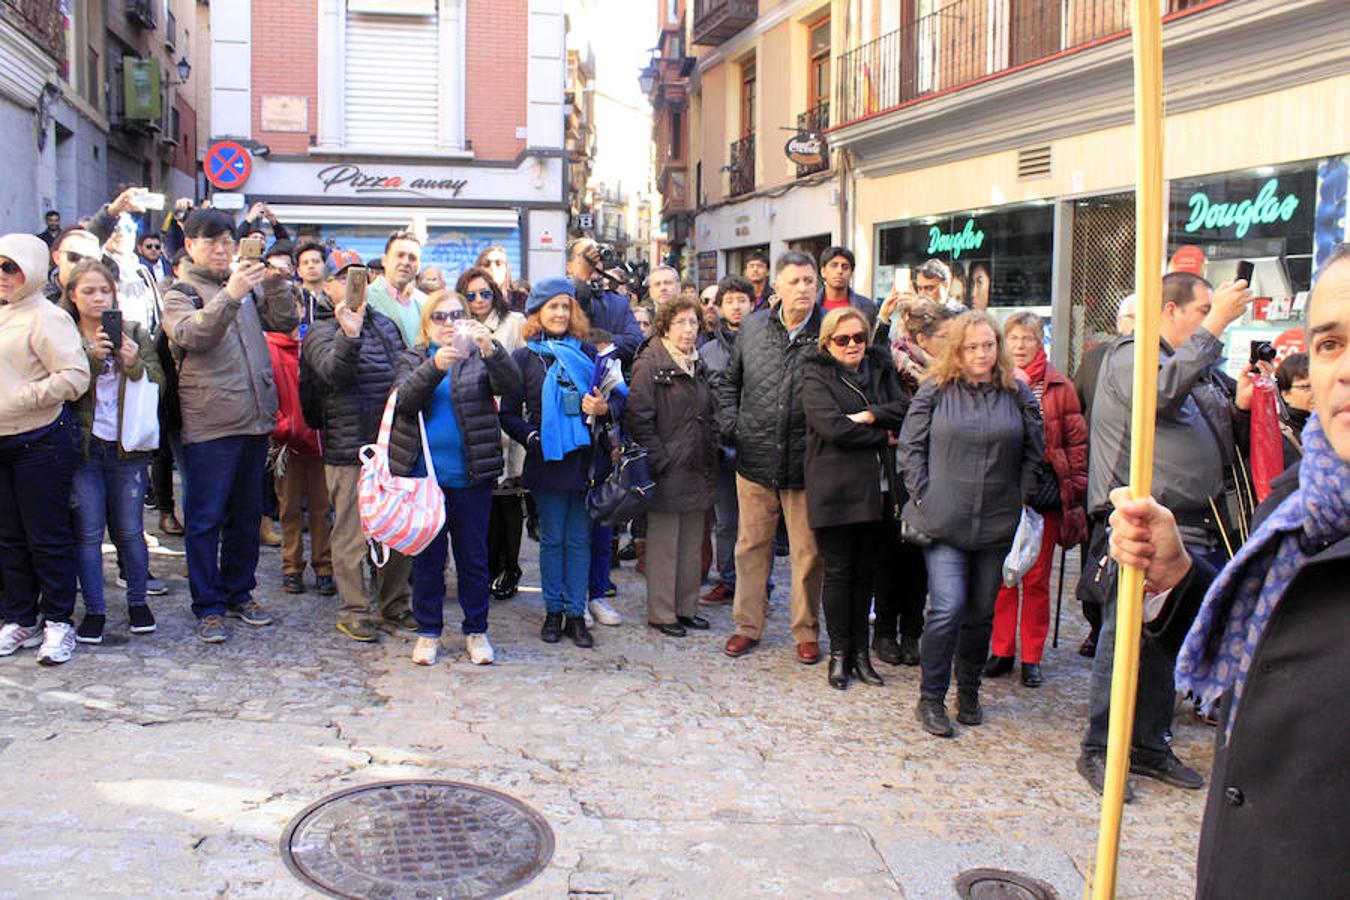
[560,433]
[1218,651]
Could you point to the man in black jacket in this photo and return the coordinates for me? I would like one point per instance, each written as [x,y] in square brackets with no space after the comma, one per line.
[354,354]
[760,409]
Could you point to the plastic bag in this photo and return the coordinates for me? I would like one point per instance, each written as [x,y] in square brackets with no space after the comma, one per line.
[1026,547]
[1267,447]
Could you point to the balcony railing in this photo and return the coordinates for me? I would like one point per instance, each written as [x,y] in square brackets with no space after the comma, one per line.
[742,166]
[814,121]
[717,20]
[966,41]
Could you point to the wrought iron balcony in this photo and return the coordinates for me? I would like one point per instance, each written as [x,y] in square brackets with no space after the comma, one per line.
[814,121]
[716,21]
[742,166]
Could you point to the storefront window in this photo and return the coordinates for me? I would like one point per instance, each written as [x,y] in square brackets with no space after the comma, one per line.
[999,258]
[450,249]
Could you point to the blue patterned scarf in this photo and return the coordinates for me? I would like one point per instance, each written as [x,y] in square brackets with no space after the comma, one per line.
[559,432]
[1218,651]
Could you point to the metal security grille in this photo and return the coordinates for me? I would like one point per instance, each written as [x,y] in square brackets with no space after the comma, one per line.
[1102,269]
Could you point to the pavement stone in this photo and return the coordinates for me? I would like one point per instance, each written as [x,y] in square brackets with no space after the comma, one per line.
[158,766]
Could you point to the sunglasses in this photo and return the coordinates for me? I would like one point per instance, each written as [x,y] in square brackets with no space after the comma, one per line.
[479,295]
[843,340]
[75,258]
[10,267]
[441,316]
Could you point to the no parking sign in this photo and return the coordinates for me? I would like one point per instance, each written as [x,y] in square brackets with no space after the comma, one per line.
[228,165]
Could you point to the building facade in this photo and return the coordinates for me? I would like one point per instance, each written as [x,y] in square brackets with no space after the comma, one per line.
[365,116]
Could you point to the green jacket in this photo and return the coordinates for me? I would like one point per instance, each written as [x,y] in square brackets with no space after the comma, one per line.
[147,363]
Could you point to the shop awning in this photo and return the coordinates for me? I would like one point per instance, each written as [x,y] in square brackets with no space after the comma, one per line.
[393,216]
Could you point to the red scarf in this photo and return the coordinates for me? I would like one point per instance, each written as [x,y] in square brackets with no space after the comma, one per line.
[1036,368]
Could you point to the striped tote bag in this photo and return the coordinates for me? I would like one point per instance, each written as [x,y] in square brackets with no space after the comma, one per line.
[397,512]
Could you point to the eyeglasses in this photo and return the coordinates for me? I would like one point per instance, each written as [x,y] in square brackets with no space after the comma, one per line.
[1296,386]
[75,258]
[479,295]
[441,316]
[10,267]
[843,340]
[495,263]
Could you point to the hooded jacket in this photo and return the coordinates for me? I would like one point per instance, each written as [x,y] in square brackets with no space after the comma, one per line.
[670,413]
[42,360]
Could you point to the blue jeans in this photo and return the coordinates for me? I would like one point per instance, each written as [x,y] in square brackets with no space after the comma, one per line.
[224,512]
[726,513]
[110,492]
[467,511]
[564,550]
[962,588]
[602,541]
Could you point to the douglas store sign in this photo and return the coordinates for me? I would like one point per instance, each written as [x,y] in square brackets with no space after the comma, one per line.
[1250,205]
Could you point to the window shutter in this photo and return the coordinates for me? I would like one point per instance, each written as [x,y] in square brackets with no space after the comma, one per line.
[392,81]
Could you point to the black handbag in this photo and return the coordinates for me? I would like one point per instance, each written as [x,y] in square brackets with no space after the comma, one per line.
[626,493]
[1045,495]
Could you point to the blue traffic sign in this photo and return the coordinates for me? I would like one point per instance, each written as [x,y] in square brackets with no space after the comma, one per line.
[228,165]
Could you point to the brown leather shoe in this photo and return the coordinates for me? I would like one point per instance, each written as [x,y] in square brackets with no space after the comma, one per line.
[808,653]
[267,534]
[739,645]
[169,524]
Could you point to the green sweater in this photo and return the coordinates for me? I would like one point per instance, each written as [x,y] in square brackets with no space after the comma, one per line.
[408,317]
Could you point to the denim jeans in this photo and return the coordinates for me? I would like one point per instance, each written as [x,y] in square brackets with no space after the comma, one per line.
[726,512]
[110,492]
[37,532]
[224,511]
[602,541]
[564,550]
[1155,699]
[962,586]
[467,511]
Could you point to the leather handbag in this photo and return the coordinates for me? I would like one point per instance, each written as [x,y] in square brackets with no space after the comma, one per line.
[397,512]
[625,493]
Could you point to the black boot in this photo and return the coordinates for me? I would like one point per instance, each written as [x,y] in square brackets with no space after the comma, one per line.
[1031,675]
[551,633]
[505,585]
[862,667]
[932,714]
[968,709]
[886,649]
[838,671]
[576,629]
[998,666]
[909,650]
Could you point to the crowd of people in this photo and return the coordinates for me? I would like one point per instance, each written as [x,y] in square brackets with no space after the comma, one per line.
[889,450]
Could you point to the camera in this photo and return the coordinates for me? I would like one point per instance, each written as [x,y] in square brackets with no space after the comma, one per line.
[1262,351]
[605,262]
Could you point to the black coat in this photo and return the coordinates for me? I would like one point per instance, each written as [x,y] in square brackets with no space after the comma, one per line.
[475,382]
[671,414]
[759,399]
[1277,820]
[356,375]
[845,461]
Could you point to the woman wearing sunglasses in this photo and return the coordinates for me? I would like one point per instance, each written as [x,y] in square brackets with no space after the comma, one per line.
[487,305]
[854,405]
[449,381]
[44,369]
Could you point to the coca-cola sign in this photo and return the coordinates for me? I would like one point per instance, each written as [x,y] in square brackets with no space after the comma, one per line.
[807,148]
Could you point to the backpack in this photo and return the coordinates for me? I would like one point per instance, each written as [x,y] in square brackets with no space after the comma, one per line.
[170,413]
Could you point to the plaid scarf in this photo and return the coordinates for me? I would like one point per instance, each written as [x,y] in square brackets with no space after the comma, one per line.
[1218,651]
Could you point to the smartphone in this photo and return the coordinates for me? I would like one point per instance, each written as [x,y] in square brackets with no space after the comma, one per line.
[904,282]
[150,201]
[112,327]
[250,249]
[461,341]
[1245,270]
[358,278]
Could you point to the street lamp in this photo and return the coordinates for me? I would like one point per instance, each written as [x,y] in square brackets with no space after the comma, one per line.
[647,80]
[184,70]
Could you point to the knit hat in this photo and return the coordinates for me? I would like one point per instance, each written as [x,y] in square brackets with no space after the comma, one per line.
[340,260]
[546,290]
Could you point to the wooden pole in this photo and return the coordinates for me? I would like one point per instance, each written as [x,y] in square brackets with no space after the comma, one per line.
[1148,257]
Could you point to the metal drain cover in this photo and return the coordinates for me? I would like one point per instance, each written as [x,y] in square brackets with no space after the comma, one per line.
[430,840]
[1000,884]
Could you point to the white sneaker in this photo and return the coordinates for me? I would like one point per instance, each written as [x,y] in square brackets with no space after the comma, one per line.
[603,612]
[425,651]
[479,649]
[58,643]
[13,636]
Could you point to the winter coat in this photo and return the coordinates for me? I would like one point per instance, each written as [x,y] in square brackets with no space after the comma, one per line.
[969,454]
[1066,449]
[291,431]
[521,419]
[671,414]
[846,461]
[1285,760]
[759,399]
[506,331]
[613,313]
[356,375]
[147,365]
[475,383]
[226,387]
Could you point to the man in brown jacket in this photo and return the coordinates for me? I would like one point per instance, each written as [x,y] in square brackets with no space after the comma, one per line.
[215,321]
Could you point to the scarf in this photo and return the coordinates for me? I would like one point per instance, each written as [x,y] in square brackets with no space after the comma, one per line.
[685,361]
[560,432]
[1036,373]
[911,361]
[1217,654]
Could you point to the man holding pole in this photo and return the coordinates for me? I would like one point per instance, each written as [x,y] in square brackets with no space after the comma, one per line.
[1187,476]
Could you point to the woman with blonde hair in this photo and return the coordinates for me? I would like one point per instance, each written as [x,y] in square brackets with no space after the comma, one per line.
[969,450]
[496,263]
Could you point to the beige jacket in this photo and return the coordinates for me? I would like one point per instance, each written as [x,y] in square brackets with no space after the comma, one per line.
[225,382]
[42,360]
[506,331]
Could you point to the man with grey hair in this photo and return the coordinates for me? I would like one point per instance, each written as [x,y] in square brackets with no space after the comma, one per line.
[663,285]
[932,279]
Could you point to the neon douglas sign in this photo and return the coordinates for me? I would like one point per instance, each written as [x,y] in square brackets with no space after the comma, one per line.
[1266,208]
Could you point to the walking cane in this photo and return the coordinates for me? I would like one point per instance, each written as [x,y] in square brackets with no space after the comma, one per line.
[1059,598]
[1148,266]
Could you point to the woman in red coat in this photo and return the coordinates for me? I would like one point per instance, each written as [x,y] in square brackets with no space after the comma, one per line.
[1063,489]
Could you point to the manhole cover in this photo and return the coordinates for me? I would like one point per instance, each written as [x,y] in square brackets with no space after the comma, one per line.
[430,840]
[1000,884]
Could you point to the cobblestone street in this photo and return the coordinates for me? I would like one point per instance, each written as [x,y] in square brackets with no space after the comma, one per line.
[159,766]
